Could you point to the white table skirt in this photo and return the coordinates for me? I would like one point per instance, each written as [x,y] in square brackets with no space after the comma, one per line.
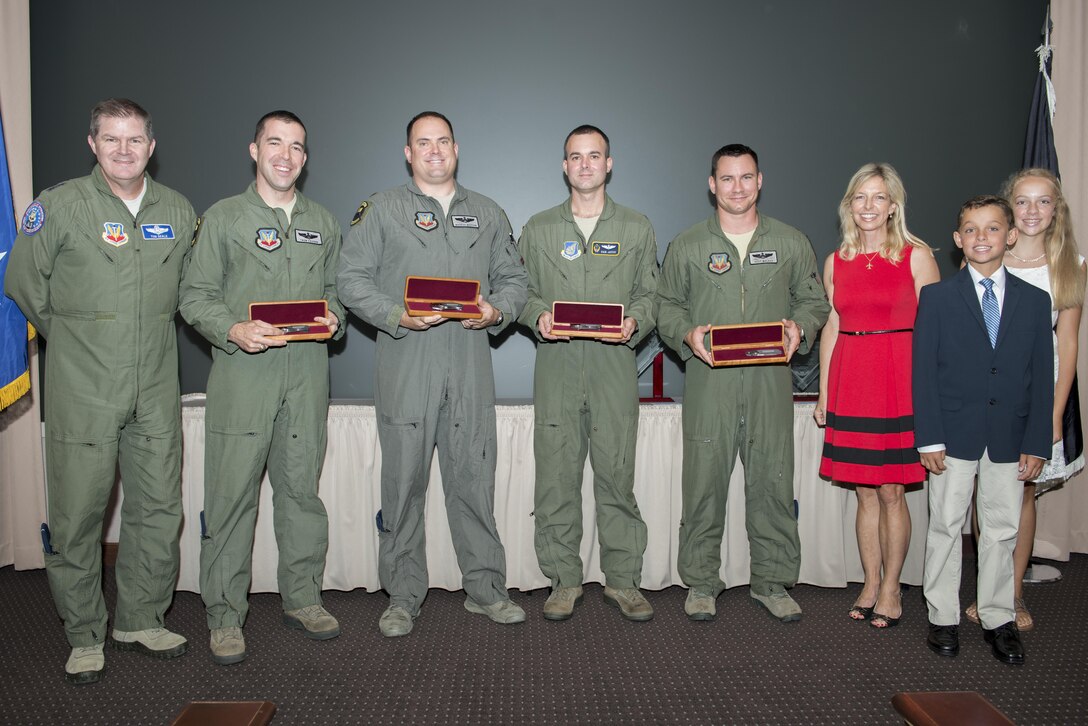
[351,493]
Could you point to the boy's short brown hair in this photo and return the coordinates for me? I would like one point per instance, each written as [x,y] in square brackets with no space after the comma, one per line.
[986,200]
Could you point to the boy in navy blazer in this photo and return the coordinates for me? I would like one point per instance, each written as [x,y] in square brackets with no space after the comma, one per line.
[983,398]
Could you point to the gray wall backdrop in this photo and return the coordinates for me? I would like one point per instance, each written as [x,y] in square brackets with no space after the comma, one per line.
[938,88]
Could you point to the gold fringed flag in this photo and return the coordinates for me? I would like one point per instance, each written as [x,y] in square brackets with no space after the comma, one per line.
[14,373]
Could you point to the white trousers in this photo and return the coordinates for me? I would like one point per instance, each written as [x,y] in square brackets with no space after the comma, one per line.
[1000,496]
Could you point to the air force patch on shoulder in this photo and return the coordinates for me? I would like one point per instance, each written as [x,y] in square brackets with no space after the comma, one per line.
[361,212]
[605,249]
[426,221]
[33,218]
[571,250]
[157,231]
[719,263]
[268,239]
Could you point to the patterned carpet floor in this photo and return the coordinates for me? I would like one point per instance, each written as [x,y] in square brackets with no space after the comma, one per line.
[459,668]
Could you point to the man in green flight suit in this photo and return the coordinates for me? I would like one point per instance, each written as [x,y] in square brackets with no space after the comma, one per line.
[268,399]
[96,269]
[738,267]
[585,390]
[434,382]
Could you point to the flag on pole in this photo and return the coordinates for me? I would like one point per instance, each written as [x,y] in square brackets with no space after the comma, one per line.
[1039,150]
[14,372]
[1040,153]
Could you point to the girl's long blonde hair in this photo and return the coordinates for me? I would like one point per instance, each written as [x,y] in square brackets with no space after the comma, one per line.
[1067,277]
[899,237]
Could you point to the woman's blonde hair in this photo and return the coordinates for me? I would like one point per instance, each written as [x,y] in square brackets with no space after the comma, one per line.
[898,236]
[1067,276]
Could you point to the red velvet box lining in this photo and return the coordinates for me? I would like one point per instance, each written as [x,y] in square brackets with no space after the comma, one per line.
[567,315]
[770,334]
[441,289]
[293,312]
[422,293]
[747,344]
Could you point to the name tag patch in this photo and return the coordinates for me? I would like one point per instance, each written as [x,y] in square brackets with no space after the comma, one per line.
[768,257]
[571,250]
[605,249]
[157,231]
[465,220]
[307,237]
[114,234]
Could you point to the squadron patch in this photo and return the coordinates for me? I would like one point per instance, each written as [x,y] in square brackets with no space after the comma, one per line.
[361,212]
[426,221]
[305,236]
[571,250]
[268,239]
[33,218]
[769,257]
[157,231]
[605,249]
[465,220]
[719,263]
[114,234]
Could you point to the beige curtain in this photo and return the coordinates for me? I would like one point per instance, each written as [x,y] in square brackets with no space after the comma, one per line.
[349,488]
[1063,513]
[22,476]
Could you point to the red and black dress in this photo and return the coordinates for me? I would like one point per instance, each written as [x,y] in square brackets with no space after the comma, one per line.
[869,437]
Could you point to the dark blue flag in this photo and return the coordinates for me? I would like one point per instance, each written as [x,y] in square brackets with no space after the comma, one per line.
[1040,153]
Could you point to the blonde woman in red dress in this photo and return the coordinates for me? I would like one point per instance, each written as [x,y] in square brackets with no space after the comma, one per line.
[873,281]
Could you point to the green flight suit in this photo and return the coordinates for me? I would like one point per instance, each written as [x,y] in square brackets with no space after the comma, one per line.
[102,288]
[436,386]
[745,410]
[585,392]
[268,408]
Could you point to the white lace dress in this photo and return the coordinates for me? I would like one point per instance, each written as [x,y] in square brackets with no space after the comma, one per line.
[1057,469]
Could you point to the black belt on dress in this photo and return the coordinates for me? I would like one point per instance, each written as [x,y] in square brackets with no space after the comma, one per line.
[875,332]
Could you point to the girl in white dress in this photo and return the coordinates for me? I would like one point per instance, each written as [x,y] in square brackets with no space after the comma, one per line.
[1045,255]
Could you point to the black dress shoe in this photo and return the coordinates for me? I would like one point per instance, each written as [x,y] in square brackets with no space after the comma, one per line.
[1005,642]
[944,639]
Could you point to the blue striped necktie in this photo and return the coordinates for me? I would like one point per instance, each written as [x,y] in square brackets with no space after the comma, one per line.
[990,311]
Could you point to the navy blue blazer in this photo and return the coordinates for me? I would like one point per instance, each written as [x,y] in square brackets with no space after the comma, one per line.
[971,397]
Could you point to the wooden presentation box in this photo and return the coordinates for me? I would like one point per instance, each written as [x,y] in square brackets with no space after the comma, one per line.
[749,344]
[296,317]
[445,296]
[226,713]
[587,320]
